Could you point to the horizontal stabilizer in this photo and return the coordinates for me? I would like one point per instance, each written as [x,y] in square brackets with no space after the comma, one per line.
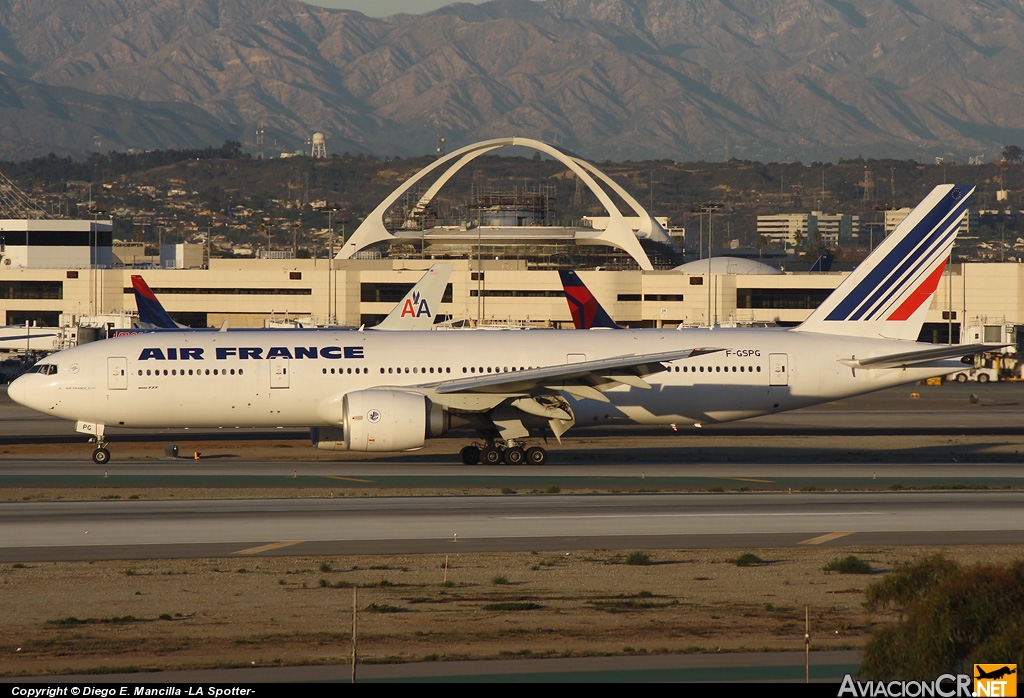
[921,356]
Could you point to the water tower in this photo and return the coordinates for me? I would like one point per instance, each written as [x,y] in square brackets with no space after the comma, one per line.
[319,145]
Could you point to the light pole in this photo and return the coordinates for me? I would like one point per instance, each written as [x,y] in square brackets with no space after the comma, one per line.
[708,208]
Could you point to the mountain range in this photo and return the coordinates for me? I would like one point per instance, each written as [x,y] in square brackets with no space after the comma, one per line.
[610,79]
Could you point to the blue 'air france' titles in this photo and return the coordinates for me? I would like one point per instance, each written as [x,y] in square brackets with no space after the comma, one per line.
[196,353]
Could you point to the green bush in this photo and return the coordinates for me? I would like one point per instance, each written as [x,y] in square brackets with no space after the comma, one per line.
[638,557]
[746,560]
[950,618]
[851,564]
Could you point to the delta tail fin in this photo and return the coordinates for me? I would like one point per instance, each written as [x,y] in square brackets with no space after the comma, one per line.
[418,310]
[151,313]
[888,294]
[587,313]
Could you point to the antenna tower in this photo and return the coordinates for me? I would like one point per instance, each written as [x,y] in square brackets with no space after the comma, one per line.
[869,184]
[260,132]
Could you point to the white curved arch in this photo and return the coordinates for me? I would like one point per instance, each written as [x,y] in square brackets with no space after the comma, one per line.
[617,234]
[649,225]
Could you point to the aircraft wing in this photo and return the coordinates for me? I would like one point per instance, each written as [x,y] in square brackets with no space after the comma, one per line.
[583,379]
[920,356]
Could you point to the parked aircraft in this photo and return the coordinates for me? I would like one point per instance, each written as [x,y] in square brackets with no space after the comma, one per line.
[377,391]
[416,311]
[27,338]
[151,311]
[586,312]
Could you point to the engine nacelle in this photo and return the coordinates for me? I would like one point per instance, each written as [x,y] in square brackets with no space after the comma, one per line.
[383,420]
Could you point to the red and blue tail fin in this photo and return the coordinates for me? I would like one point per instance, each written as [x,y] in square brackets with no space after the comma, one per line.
[888,294]
[587,313]
[151,313]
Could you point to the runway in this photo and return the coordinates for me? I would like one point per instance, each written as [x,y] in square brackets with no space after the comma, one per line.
[141,529]
[834,475]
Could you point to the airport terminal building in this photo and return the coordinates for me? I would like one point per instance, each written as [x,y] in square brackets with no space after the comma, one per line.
[246,293]
[505,255]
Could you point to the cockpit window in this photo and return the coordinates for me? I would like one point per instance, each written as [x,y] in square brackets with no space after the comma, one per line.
[45,369]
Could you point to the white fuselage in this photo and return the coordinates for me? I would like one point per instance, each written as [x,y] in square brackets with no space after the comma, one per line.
[297,378]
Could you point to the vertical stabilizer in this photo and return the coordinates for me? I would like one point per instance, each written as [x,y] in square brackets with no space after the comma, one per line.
[889,293]
[418,310]
[151,313]
[586,312]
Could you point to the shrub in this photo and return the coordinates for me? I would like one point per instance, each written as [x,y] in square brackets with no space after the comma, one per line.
[950,618]
[746,560]
[851,564]
[638,557]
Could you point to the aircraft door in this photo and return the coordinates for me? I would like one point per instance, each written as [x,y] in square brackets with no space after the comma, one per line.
[117,373]
[778,369]
[279,373]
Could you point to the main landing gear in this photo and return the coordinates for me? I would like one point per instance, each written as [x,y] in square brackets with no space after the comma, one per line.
[510,453]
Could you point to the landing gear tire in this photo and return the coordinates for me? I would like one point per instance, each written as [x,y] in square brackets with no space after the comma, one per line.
[101,456]
[491,455]
[536,456]
[514,455]
[470,455]
[961,378]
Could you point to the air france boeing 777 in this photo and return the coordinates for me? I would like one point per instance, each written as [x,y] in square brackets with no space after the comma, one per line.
[390,391]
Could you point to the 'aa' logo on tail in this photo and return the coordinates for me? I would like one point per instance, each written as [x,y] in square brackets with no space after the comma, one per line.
[416,306]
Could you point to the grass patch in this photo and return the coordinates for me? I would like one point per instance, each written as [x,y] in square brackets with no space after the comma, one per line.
[638,557]
[499,580]
[747,560]
[384,608]
[851,564]
[512,606]
[113,620]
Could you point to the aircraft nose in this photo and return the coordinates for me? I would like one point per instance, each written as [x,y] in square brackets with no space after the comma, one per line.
[18,390]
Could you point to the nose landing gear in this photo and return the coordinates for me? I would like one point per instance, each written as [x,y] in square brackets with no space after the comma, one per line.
[101,456]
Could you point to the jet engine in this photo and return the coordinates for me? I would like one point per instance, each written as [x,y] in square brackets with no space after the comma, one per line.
[382,420]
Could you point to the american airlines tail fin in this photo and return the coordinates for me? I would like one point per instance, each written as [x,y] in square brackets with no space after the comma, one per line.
[587,313]
[889,293]
[418,309]
[151,313]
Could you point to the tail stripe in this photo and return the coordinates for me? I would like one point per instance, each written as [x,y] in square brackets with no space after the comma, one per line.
[938,248]
[931,234]
[921,294]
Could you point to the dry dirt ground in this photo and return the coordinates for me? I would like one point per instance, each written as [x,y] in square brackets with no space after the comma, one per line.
[265,611]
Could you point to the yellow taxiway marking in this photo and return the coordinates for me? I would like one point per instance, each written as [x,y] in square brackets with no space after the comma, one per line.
[265,548]
[747,479]
[347,479]
[826,538]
